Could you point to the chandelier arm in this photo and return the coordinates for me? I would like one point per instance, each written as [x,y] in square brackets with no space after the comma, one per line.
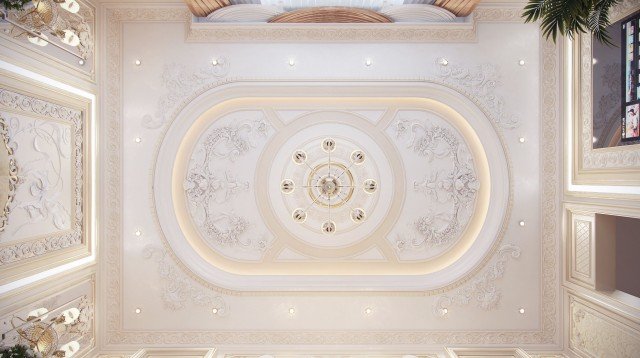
[4,16]
[344,171]
[310,205]
[313,171]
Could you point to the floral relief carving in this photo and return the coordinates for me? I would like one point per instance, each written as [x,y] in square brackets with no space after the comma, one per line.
[179,81]
[178,289]
[482,289]
[208,184]
[43,180]
[455,184]
[11,174]
[592,333]
[480,83]
[116,336]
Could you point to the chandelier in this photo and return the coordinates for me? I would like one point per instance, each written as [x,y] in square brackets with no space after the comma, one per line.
[329,184]
[40,19]
[42,335]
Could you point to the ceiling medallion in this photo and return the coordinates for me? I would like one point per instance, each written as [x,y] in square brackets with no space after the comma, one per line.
[329,185]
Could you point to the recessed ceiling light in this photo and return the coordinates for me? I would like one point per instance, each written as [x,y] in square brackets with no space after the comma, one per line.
[138,62]
[521,310]
[137,139]
[368,311]
[292,62]
[521,139]
[444,61]
[138,310]
[214,310]
[137,232]
[521,62]
[368,62]
[521,223]
[445,310]
[81,62]
[292,311]
[214,62]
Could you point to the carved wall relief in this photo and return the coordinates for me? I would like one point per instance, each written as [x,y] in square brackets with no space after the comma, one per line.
[8,175]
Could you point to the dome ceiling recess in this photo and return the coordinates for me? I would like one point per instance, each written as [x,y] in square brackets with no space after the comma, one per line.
[322,11]
[269,190]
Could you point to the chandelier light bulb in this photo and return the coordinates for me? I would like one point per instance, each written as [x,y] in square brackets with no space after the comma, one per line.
[71,5]
[39,40]
[299,157]
[70,38]
[70,348]
[70,315]
[329,227]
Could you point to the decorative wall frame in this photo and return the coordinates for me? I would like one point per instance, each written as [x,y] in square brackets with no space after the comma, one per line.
[602,166]
[41,103]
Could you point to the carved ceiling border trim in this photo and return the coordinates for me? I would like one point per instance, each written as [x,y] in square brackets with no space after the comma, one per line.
[113,334]
[11,174]
[397,32]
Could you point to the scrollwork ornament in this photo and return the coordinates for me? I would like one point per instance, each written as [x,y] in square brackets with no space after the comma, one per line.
[454,187]
[11,174]
[178,290]
[480,83]
[482,289]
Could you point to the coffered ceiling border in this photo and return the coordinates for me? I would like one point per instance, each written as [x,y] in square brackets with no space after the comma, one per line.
[113,334]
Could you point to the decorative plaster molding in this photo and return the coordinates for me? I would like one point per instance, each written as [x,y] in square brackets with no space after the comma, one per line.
[480,83]
[594,334]
[115,335]
[481,289]
[583,247]
[179,81]
[11,175]
[455,187]
[398,32]
[178,288]
[44,205]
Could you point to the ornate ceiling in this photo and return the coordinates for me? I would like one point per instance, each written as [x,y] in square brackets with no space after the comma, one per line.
[437,195]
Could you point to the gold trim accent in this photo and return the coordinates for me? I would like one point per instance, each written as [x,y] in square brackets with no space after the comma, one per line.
[331,15]
[314,197]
